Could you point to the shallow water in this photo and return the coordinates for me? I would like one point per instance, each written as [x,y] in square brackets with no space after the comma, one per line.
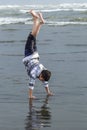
[64,51]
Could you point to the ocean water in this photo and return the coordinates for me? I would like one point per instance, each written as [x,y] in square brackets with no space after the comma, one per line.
[60,14]
[62,45]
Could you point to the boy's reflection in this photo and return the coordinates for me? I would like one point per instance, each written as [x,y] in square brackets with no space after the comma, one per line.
[38,118]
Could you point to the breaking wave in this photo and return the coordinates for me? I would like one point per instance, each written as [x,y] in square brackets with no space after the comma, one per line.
[57,15]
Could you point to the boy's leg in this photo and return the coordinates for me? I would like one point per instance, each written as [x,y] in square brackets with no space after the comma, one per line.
[38,21]
[30,46]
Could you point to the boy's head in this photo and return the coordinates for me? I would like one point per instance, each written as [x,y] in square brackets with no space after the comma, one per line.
[45,75]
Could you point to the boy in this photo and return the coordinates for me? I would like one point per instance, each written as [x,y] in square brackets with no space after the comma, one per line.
[31,60]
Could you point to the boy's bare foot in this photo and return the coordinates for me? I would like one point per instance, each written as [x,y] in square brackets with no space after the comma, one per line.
[34,14]
[42,21]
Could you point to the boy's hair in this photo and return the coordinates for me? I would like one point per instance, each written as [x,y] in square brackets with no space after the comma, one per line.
[46,75]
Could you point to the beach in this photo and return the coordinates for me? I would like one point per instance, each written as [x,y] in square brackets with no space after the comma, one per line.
[62,47]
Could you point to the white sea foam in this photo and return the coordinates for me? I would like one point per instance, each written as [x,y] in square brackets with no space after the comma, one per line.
[51,23]
[47,8]
[8,20]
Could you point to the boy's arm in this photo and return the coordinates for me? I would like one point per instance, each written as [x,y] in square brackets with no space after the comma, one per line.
[48,91]
[31,87]
[46,85]
[31,94]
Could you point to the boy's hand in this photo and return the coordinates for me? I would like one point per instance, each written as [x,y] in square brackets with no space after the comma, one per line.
[32,97]
[48,91]
[50,94]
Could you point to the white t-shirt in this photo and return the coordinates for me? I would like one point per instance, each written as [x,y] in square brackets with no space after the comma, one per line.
[34,68]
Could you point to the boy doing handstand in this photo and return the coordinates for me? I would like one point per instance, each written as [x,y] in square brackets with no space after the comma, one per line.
[31,61]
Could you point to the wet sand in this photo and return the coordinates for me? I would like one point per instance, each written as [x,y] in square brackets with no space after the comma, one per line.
[64,51]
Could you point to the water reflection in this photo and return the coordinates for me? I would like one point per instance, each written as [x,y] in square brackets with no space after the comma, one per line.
[38,116]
